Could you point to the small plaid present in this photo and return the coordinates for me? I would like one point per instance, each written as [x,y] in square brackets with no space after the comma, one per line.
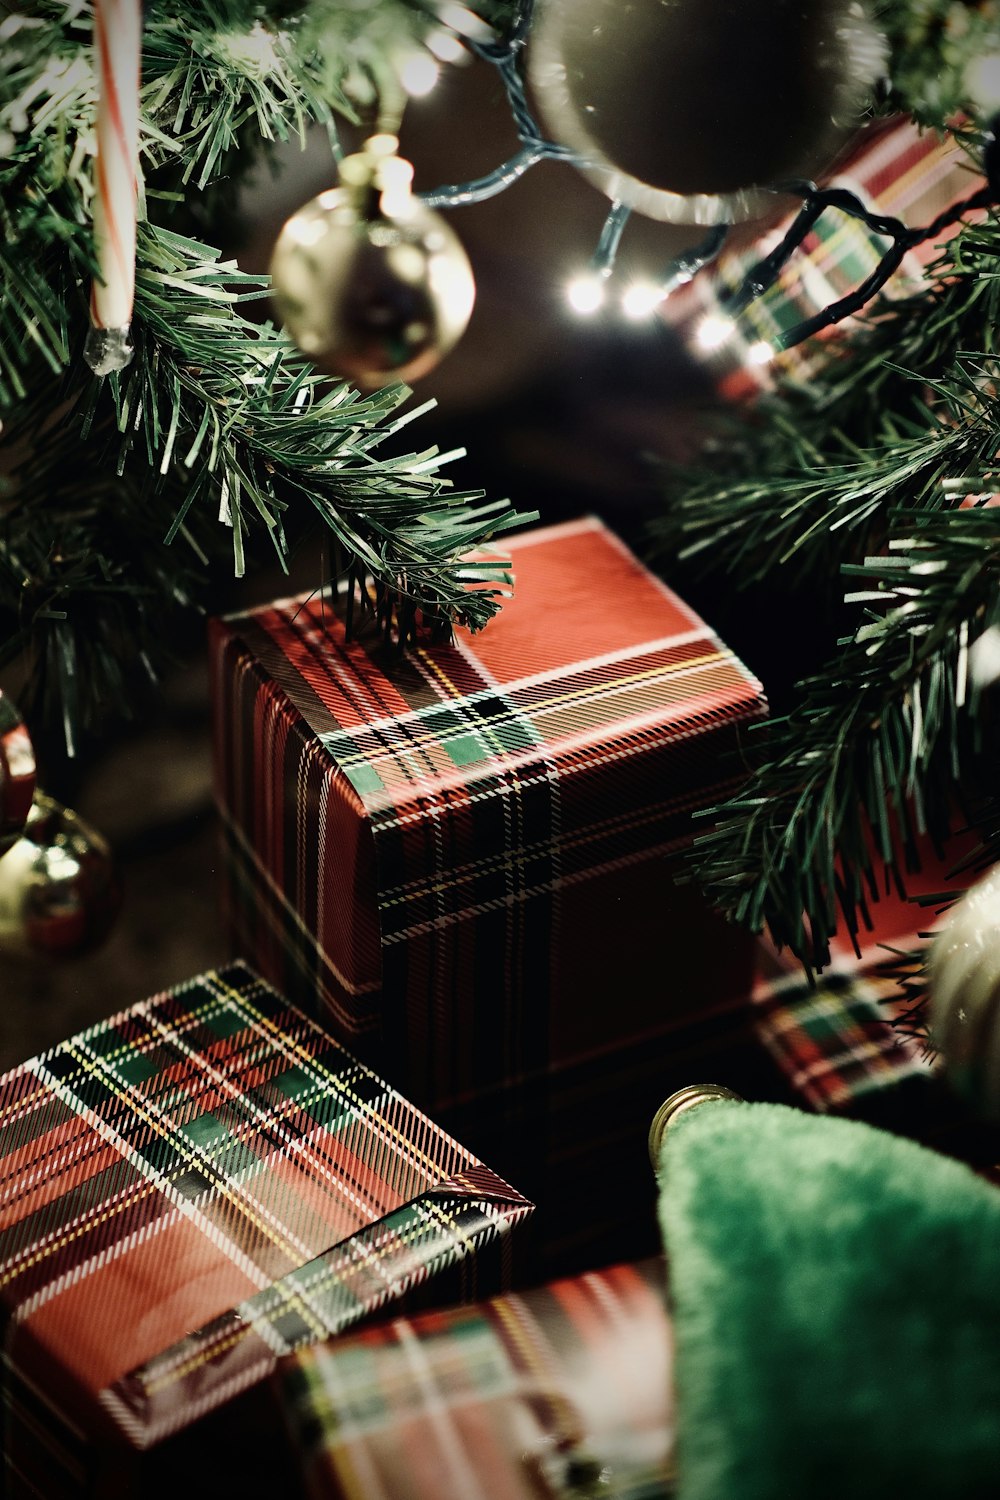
[895,170]
[835,1039]
[193,1189]
[561,1392]
[842,1040]
[463,857]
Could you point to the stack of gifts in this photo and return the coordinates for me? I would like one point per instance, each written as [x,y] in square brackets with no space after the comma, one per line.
[458,861]
[770,1354]
[463,858]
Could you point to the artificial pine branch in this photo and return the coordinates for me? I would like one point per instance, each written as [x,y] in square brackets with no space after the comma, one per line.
[863,469]
[933,44]
[872,755]
[812,472]
[218,429]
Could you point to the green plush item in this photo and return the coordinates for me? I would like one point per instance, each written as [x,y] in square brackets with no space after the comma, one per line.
[837,1302]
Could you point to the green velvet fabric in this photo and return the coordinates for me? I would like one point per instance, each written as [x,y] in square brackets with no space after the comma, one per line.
[837,1301]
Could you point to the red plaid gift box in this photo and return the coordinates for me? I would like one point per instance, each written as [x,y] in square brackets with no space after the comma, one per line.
[192,1189]
[845,1040]
[561,1392]
[895,169]
[463,856]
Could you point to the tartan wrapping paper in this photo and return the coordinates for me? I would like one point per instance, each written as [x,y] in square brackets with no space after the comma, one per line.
[894,169]
[193,1189]
[418,847]
[564,1391]
[460,859]
[838,1041]
[835,1039]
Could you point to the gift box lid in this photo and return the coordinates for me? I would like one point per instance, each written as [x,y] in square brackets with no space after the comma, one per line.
[200,1185]
[592,651]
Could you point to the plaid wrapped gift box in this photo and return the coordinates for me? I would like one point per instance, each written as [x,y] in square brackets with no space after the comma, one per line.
[834,1037]
[894,169]
[842,1038]
[462,857]
[192,1189]
[564,1391]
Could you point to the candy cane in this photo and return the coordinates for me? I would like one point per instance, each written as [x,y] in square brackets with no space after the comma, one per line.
[117,34]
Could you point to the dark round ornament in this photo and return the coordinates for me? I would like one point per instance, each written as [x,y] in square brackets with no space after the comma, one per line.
[370,284]
[59,886]
[17,774]
[687,109]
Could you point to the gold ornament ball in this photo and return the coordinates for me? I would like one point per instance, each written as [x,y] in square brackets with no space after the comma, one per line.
[964,984]
[372,285]
[59,886]
[685,110]
[17,774]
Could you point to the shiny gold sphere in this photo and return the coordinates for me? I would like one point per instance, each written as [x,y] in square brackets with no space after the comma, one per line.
[59,885]
[17,774]
[372,287]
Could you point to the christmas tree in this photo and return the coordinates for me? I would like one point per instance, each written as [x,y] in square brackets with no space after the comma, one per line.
[219,436]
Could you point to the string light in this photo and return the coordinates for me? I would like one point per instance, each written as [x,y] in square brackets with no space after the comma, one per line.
[713,332]
[641,300]
[586,293]
[760,353]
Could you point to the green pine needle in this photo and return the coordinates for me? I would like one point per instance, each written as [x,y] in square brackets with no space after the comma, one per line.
[120,492]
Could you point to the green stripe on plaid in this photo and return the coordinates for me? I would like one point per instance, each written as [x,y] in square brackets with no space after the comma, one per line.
[210,1151]
[562,1391]
[835,1041]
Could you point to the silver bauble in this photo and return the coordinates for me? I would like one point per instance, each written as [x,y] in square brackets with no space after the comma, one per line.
[964,978]
[17,774]
[59,888]
[370,284]
[686,109]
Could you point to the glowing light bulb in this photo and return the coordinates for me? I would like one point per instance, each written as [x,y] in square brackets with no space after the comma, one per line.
[586,294]
[760,354]
[253,51]
[418,74]
[713,332]
[641,300]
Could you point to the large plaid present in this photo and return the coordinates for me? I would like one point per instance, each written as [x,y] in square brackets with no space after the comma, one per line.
[561,1392]
[896,170]
[193,1189]
[464,856]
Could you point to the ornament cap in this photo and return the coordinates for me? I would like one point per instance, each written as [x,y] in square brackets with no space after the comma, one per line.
[677,1104]
[377,164]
